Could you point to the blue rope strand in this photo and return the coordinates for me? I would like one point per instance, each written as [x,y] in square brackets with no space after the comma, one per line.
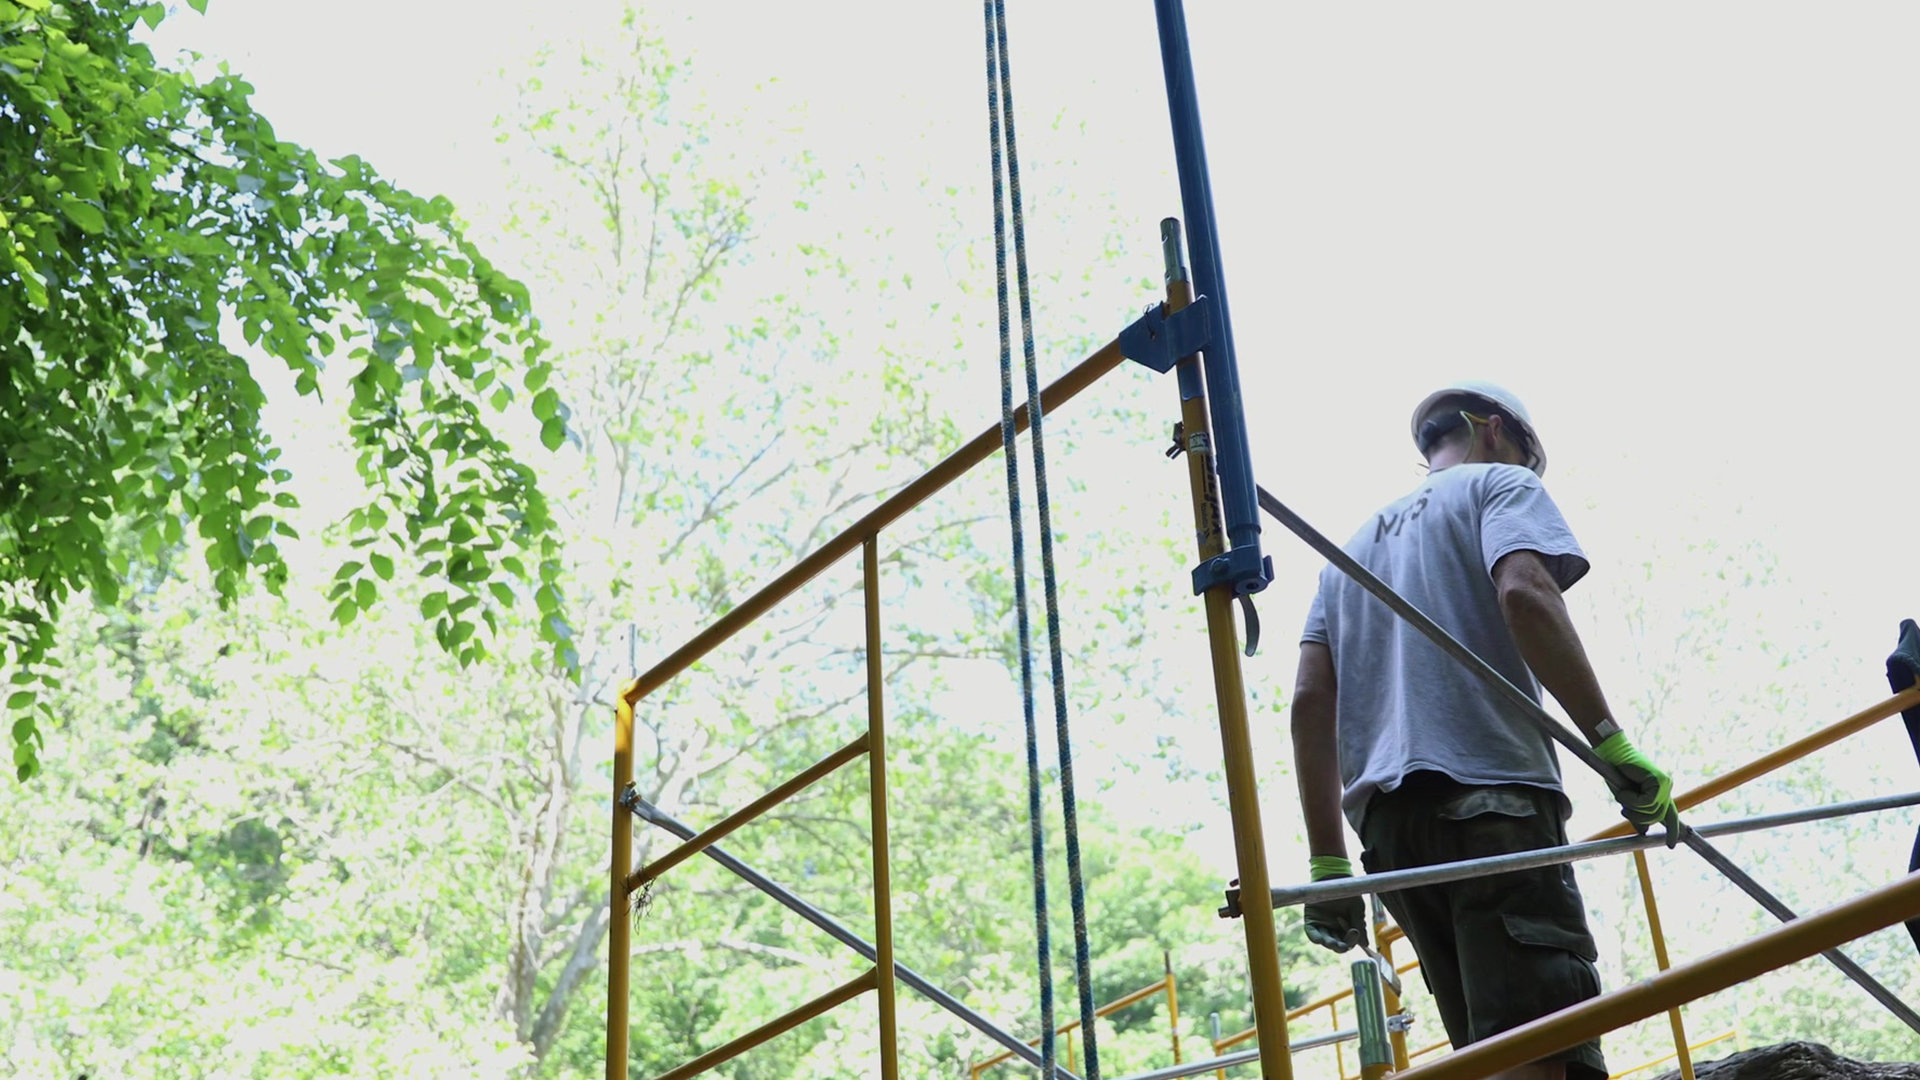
[1009,446]
[1076,888]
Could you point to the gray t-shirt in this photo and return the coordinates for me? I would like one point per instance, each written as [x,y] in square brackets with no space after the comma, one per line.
[1404,705]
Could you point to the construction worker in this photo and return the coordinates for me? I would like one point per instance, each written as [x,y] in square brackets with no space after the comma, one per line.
[1427,764]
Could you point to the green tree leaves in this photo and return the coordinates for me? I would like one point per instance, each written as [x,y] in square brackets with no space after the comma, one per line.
[147,217]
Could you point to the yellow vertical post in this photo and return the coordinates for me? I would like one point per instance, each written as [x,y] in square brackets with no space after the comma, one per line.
[1660,957]
[1173,1003]
[1230,694]
[619,927]
[877,788]
[1396,1036]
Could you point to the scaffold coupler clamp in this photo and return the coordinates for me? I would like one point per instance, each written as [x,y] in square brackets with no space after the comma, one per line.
[1158,341]
[629,800]
[1248,571]
[1231,909]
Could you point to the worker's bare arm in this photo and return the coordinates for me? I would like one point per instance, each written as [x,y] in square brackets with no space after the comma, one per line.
[1316,750]
[1536,615]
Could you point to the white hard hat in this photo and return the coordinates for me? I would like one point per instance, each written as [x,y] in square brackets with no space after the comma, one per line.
[1509,406]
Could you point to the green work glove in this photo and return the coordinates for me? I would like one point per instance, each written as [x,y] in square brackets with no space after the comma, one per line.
[1646,799]
[1329,922]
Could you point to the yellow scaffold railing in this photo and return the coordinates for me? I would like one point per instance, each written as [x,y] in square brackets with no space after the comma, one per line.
[873,744]
[1165,985]
[1329,1002]
[1190,335]
[1776,948]
[626,883]
[1731,780]
[1675,986]
[1230,696]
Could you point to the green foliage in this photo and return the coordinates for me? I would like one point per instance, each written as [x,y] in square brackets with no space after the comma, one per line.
[718,957]
[149,218]
[233,867]
[221,874]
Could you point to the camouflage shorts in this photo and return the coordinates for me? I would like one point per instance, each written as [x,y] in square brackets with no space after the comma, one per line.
[1499,951]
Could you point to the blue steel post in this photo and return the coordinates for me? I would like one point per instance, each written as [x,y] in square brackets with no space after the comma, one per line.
[1243,566]
[1219,455]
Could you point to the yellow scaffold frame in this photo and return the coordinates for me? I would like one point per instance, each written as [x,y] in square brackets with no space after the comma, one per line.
[873,744]
[1230,694]
[625,882]
[1167,985]
[1387,934]
[1666,992]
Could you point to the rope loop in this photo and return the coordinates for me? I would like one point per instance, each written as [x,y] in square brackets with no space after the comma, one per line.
[1000,111]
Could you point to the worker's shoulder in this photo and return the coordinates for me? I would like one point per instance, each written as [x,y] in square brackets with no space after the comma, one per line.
[1491,478]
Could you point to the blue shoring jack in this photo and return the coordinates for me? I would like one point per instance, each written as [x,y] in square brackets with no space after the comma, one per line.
[1159,341]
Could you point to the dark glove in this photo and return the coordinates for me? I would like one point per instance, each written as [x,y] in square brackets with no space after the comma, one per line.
[1646,798]
[1330,921]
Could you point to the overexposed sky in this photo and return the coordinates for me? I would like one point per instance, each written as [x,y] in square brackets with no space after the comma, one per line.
[1687,235]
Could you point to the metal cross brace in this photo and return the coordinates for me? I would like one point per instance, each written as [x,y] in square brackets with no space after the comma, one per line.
[1539,716]
[653,815]
[1386,881]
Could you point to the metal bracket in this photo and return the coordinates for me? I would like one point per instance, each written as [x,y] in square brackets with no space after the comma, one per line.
[1159,341]
[1243,567]
[1231,909]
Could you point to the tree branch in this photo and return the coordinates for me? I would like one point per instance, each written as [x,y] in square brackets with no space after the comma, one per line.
[584,957]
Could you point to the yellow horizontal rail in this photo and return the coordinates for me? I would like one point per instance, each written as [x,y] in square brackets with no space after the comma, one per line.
[719,829]
[1329,1001]
[981,447]
[1766,763]
[1786,755]
[1783,945]
[1108,1009]
[839,995]
[1122,1002]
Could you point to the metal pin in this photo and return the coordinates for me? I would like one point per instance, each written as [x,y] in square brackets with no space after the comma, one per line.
[1170,250]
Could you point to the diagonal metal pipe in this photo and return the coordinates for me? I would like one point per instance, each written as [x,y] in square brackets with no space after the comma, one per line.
[653,815]
[1395,880]
[1242,1057]
[1544,720]
[1772,950]
[1784,913]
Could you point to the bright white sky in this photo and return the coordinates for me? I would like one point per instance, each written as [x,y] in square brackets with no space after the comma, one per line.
[1688,235]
